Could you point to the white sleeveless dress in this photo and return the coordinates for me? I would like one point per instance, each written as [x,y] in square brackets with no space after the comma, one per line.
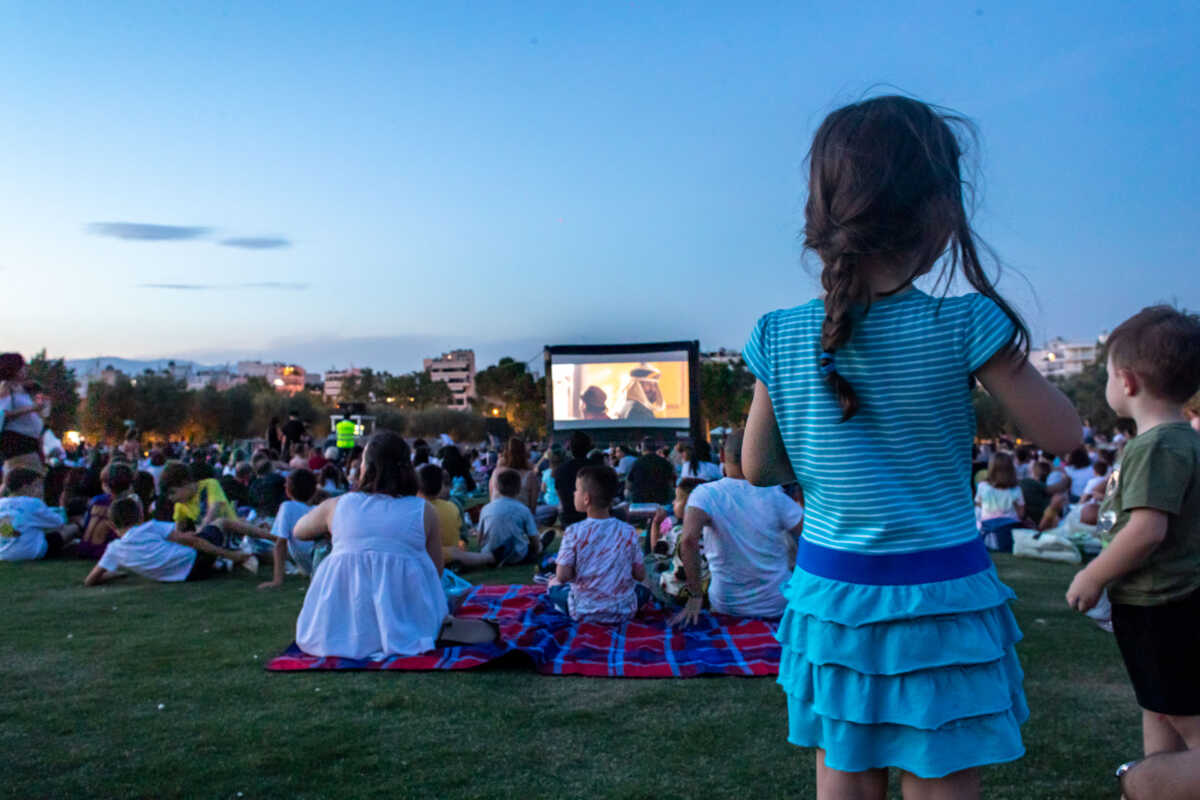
[377,593]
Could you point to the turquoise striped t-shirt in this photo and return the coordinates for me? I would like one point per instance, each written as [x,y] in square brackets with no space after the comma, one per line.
[896,477]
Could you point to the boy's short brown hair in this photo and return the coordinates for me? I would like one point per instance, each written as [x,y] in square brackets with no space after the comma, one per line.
[601,483]
[174,475]
[1162,347]
[118,476]
[125,512]
[508,482]
[301,484]
[17,478]
[1041,471]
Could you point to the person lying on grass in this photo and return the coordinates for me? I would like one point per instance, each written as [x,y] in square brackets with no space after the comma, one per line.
[158,550]
[30,529]
[599,563]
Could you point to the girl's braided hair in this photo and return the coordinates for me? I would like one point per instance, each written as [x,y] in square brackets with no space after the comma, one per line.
[885,187]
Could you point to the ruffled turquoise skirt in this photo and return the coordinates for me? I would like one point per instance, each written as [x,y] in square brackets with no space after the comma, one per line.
[921,677]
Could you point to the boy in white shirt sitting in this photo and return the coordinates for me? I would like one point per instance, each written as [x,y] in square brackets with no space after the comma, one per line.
[158,551]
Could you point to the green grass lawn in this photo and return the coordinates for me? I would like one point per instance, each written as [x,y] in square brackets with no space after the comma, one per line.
[85,672]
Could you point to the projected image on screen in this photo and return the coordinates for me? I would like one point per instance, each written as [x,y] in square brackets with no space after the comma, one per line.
[646,390]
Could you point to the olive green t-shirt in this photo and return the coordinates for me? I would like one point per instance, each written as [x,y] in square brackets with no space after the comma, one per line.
[1160,470]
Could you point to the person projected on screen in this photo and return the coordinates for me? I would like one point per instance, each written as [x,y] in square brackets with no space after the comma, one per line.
[594,402]
[643,397]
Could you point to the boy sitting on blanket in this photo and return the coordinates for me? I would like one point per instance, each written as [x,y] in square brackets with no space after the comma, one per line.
[600,567]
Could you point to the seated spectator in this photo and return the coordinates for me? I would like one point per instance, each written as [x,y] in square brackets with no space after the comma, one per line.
[515,458]
[549,503]
[1079,469]
[317,459]
[1024,461]
[623,461]
[459,469]
[98,530]
[267,490]
[299,457]
[564,478]
[197,502]
[280,545]
[1037,492]
[143,487]
[507,529]
[651,478]
[1095,488]
[599,563]
[747,535]
[432,486]
[237,485]
[30,529]
[1000,502]
[379,592]
[699,464]
[331,481]
[158,550]
[155,464]
[665,531]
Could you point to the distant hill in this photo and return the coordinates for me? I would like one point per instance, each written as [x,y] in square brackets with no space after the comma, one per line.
[87,366]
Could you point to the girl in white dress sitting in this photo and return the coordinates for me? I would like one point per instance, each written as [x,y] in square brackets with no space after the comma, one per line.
[379,591]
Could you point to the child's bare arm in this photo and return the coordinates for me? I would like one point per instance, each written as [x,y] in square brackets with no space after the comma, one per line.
[242,528]
[564,573]
[1139,538]
[694,520]
[315,523]
[100,575]
[764,458]
[1042,412]
[204,546]
[281,550]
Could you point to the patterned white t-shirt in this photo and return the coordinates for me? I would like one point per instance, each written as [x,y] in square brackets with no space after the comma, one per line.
[603,553]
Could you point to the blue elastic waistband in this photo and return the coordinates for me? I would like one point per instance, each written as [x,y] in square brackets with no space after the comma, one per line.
[894,569]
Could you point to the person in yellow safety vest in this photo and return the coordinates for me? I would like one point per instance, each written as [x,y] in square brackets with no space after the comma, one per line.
[345,433]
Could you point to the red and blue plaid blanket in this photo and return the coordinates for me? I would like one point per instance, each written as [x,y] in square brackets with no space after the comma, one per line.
[644,647]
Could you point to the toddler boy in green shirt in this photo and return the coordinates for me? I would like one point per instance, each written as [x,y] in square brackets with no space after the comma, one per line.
[1150,520]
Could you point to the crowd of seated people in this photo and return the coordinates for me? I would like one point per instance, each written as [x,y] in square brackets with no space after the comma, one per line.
[172,511]
[1019,486]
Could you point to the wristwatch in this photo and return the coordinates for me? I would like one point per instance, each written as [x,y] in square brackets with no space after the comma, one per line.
[1128,765]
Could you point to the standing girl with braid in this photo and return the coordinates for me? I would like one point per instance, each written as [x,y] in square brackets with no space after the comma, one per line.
[898,639]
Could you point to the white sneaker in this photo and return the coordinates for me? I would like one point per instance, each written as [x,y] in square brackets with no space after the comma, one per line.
[251,565]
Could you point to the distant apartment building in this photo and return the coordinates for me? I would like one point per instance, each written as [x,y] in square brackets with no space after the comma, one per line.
[285,378]
[721,356]
[1062,359]
[219,379]
[457,369]
[86,377]
[335,379]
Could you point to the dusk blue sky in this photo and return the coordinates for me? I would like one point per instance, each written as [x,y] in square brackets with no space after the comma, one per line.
[370,183]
